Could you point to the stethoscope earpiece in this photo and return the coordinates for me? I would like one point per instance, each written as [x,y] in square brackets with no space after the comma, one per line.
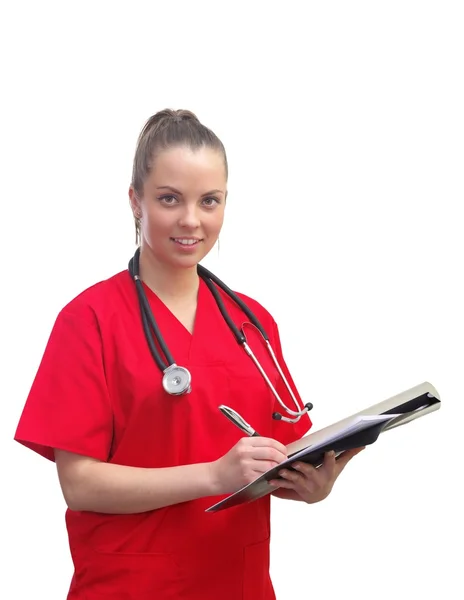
[278,417]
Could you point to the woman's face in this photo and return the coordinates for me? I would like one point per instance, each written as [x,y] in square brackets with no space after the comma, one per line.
[182,208]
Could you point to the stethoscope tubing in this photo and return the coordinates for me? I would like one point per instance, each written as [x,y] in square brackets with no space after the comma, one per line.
[211,282]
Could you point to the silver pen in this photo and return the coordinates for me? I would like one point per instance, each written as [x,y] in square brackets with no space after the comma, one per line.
[238,421]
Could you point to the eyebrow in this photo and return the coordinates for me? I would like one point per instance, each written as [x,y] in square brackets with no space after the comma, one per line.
[170,188]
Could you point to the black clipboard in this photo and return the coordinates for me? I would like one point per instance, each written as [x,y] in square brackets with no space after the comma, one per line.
[360,429]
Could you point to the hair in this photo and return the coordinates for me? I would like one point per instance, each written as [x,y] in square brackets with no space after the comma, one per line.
[168,129]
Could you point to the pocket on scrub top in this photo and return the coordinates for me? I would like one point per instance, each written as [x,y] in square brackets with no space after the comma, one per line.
[256,578]
[121,576]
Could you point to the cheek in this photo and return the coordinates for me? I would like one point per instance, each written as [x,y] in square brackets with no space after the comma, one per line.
[215,222]
[158,223]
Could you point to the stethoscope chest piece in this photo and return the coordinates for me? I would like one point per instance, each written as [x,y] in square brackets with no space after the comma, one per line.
[177,380]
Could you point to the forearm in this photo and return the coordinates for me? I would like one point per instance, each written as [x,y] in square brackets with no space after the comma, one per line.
[114,489]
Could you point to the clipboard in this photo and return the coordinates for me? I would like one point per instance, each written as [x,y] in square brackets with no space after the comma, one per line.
[359,429]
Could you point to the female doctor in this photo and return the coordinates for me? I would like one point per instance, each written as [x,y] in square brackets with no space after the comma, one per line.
[142,453]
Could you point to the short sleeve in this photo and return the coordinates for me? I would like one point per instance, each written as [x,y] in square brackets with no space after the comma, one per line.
[283,431]
[68,406]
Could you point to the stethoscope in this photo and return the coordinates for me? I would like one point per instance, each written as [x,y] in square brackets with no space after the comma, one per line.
[177,380]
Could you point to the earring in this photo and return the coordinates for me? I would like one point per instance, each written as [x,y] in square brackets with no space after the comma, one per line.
[137,228]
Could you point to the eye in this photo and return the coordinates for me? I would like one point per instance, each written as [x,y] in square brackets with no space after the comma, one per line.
[169,200]
[210,201]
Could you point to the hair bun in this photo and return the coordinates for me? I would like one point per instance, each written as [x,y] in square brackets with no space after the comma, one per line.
[177,116]
[163,117]
[184,115]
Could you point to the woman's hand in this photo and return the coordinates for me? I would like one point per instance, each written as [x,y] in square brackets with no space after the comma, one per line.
[310,484]
[245,462]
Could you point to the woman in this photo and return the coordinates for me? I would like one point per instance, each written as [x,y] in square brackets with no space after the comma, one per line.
[138,466]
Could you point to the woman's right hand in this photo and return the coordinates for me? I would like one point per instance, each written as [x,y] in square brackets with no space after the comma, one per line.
[245,462]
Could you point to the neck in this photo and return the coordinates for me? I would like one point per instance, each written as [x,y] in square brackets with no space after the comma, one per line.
[165,281]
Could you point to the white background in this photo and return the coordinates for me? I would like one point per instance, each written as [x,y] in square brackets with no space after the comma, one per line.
[343,123]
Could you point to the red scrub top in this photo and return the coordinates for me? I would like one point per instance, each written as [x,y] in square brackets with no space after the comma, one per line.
[98,393]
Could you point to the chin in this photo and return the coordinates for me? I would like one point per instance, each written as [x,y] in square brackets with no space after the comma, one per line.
[186,262]
[189,261]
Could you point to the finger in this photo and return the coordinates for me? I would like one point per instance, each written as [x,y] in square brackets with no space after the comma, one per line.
[329,466]
[282,483]
[259,467]
[297,480]
[307,470]
[290,475]
[268,454]
[311,478]
[268,442]
[345,458]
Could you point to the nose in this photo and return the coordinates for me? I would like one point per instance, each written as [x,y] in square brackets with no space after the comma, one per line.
[189,217]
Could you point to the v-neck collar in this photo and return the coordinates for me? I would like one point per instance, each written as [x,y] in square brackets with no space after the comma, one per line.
[172,328]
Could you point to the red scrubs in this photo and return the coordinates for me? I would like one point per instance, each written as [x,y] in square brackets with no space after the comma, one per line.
[98,393]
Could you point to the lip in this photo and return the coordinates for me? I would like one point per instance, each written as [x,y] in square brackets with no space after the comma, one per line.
[187,247]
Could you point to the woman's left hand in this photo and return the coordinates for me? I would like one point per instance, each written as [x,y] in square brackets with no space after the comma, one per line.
[310,484]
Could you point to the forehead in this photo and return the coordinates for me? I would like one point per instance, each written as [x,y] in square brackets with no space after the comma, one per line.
[183,164]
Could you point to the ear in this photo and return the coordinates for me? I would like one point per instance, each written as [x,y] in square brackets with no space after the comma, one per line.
[135,203]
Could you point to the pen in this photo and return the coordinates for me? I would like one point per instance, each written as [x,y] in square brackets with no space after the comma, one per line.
[237,420]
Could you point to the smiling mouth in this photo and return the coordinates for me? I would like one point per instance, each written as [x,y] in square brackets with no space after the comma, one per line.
[186,241]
